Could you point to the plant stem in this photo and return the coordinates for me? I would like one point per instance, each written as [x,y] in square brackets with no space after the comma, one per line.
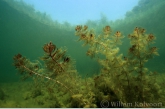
[47,78]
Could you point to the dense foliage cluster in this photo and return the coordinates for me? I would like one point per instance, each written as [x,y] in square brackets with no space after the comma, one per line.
[123,79]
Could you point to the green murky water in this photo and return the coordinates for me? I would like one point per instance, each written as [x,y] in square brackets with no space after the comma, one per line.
[27,33]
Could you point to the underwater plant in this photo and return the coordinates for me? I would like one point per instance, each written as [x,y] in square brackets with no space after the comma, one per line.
[56,64]
[125,76]
[58,73]
[123,79]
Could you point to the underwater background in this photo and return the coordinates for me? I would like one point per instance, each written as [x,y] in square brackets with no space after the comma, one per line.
[22,30]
